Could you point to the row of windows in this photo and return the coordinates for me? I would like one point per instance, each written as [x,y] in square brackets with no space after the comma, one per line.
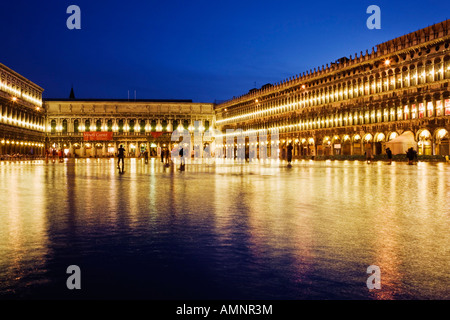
[12,116]
[121,126]
[406,112]
[378,83]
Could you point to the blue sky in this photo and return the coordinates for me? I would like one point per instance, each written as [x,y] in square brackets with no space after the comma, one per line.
[199,50]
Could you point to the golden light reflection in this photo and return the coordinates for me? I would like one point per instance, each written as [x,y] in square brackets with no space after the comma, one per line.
[23,228]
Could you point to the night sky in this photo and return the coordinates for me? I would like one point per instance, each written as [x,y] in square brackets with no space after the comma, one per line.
[199,50]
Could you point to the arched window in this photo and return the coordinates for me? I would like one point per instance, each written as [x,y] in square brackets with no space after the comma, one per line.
[87,126]
[131,129]
[98,125]
[447,67]
[120,126]
[64,126]
[153,125]
[53,126]
[142,125]
[76,126]
[164,125]
[110,128]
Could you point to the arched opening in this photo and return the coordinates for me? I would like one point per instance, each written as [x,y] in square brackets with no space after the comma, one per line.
[110,126]
[368,144]
[326,145]
[53,127]
[392,135]
[379,140]
[87,126]
[357,147]
[337,146]
[346,145]
[311,147]
[442,142]
[131,126]
[425,143]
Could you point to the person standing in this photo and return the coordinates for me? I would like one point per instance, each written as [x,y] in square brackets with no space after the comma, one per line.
[167,157]
[289,153]
[389,155]
[181,154]
[163,151]
[410,155]
[121,156]
[146,155]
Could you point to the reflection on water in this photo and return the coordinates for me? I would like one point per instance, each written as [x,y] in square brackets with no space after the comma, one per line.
[224,231]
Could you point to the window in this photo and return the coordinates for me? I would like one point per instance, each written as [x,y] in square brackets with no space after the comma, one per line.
[421,110]
[98,125]
[76,126]
[64,126]
[430,109]
[110,129]
[53,126]
[120,126]
[131,128]
[439,109]
[413,111]
[447,107]
[87,125]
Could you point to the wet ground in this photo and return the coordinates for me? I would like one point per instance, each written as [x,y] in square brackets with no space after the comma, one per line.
[224,230]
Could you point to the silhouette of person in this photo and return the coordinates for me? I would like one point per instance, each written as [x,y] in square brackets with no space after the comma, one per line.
[121,156]
[389,155]
[289,153]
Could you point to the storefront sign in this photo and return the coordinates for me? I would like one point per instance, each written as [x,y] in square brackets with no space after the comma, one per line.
[156,134]
[97,136]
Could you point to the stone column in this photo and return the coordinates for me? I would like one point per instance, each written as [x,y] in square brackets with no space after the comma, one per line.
[136,153]
[82,154]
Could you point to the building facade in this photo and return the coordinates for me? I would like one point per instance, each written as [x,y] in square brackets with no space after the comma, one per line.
[356,103]
[22,115]
[96,128]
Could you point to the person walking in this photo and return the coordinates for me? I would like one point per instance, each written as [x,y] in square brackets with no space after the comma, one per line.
[54,155]
[121,156]
[181,154]
[289,153]
[389,155]
[146,155]
[163,151]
